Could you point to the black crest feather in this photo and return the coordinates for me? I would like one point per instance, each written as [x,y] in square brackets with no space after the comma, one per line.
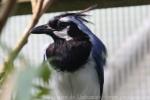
[80,15]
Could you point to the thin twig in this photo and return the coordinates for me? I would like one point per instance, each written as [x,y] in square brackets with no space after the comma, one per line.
[8,87]
[6,9]
[26,33]
[42,6]
[46,4]
[33,4]
[8,63]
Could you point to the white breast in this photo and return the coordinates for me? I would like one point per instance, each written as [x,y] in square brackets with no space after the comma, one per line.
[80,85]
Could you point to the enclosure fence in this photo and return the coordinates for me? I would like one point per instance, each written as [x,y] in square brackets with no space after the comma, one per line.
[126,33]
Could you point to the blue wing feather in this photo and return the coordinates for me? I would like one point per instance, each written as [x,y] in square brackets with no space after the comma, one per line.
[99,52]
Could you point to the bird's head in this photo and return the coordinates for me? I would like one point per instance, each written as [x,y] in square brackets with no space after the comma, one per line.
[65,26]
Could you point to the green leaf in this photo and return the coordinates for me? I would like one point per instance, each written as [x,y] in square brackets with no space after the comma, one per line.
[42,91]
[45,72]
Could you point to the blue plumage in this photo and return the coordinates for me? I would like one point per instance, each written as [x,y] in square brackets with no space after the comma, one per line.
[99,53]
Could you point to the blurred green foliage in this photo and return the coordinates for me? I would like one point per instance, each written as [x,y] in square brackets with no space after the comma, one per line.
[26,75]
[25,83]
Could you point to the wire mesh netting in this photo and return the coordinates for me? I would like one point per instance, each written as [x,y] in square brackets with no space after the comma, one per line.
[126,34]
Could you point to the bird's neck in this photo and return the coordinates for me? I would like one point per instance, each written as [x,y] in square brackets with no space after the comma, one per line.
[81,38]
[56,38]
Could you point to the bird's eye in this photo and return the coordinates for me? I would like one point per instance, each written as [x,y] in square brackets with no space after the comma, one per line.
[62,25]
[53,23]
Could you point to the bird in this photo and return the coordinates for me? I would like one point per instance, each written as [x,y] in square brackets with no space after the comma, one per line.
[76,55]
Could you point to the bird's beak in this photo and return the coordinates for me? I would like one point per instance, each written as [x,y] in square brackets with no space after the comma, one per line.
[43,29]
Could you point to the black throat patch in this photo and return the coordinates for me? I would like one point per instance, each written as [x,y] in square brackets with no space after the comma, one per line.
[68,55]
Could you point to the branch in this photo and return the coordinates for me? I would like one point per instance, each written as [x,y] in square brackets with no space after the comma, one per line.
[8,66]
[33,4]
[42,6]
[6,9]
[8,87]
